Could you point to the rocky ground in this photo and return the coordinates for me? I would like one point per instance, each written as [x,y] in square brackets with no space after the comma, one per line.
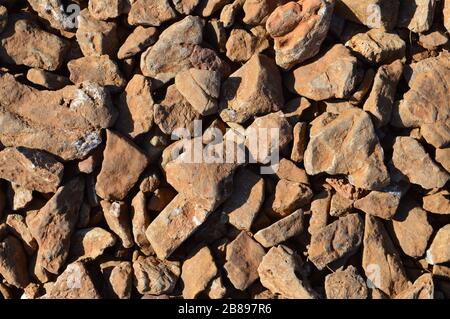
[97,199]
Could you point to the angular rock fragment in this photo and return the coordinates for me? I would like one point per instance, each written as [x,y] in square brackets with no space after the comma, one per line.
[290,196]
[423,288]
[90,243]
[161,198]
[240,46]
[209,7]
[416,15]
[433,40]
[53,11]
[150,12]
[119,277]
[21,196]
[344,188]
[382,203]
[117,219]
[346,284]
[106,9]
[439,251]
[320,206]
[13,262]
[140,220]
[340,205]
[438,203]
[17,227]
[139,40]
[185,6]
[299,142]
[46,79]
[447,14]
[291,172]
[3,18]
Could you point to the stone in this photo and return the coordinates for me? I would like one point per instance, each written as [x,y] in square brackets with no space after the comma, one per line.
[246,200]
[197,272]
[383,204]
[411,161]
[90,243]
[106,9]
[161,198]
[433,40]
[207,8]
[343,187]
[140,220]
[185,6]
[416,15]
[24,43]
[290,196]
[135,107]
[118,220]
[150,12]
[381,261]
[299,142]
[281,230]
[446,13]
[290,171]
[240,46]
[119,278]
[21,196]
[254,89]
[47,79]
[18,228]
[331,75]
[208,59]
[150,182]
[382,96]
[31,169]
[377,46]
[53,11]
[122,165]
[96,38]
[176,223]
[229,13]
[74,283]
[154,276]
[439,251]
[320,207]
[243,256]
[200,88]
[438,203]
[337,240]
[3,18]
[97,69]
[423,288]
[346,284]
[172,52]
[279,272]
[85,108]
[216,289]
[347,144]
[298,30]
[54,224]
[139,40]
[340,205]
[13,262]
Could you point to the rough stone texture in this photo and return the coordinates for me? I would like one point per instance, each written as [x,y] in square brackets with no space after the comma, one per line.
[331,75]
[433,40]
[106,9]
[140,220]
[298,29]
[185,6]
[21,196]
[240,46]
[17,227]
[290,171]
[122,165]
[344,188]
[446,13]
[53,12]
[300,142]
[119,276]
[150,12]
[118,220]
[438,203]
[209,7]
[139,40]
[290,196]
[3,18]
[279,272]
[346,144]
[32,169]
[243,257]
[439,251]
[90,243]
[13,262]
[413,163]
[382,203]
[47,79]
[346,284]
[423,288]
[416,15]
[281,230]
[339,239]
[340,205]
[320,207]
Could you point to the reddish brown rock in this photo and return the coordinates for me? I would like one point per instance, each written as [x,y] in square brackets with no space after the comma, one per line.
[290,196]
[13,262]
[281,230]
[340,205]
[150,12]
[106,9]
[447,14]
[416,15]
[47,79]
[240,46]
[290,171]
[300,142]
[423,288]
[21,196]
[433,40]
[161,198]
[90,243]
[18,228]
[53,11]
[185,6]
[118,220]
[140,220]
[119,278]
[438,203]
[344,188]
[320,207]
[139,40]
[382,204]
[439,251]
[3,18]
[209,7]
[346,284]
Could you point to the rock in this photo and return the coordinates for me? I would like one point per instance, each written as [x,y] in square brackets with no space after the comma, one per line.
[53,11]
[122,165]
[197,272]
[18,228]
[154,276]
[346,144]
[53,225]
[200,88]
[320,206]
[291,172]
[207,59]
[279,271]
[377,46]
[118,220]
[150,12]
[106,9]
[439,251]
[240,46]
[21,196]
[208,7]
[423,288]
[281,230]
[13,262]
[381,261]
[90,243]
[447,14]
[298,30]
[376,14]
[3,18]
[216,289]
[433,40]
[31,169]
[339,239]
[290,196]
[119,277]
[176,223]
[97,69]
[344,188]
[135,107]
[139,40]
[340,205]
[229,13]
[95,37]
[161,198]
[438,203]
[381,98]
[411,161]
[441,272]
[331,75]
[87,109]
[24,43]
[254,89]
[172,52]
[74,283]
[46,79]
[416,15]
[150,182]
[185,6]
[345,284]
[243,257]
[140,220]
[424,105]
[383,204]
[300,141]
[245,202]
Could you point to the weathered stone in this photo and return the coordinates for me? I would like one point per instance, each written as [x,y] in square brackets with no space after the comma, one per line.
[446,13]
[31,169]
[433,40]
[331,75]
[18,227]
[53,11]
[345,284]
[254,89]
[185,6]
[20,196]
[413,163]
[382,203]
[298,29]
[290,196]
[13,262]
[243,257]
[122,165]
[343,187]
[208,7]
[279,272]
[46,79]
[416,15]
[106,9]
[347,144]
[150,182]
[300,141]
[3,18]
[229,13]
[439,251]
[340,205]
[118,276]
[90,243]
[139,40]
[240,46]
[140,220]
[217,289]
[150,12]
[320,206]
[291,172]
[118,219]
[161,198]
[423,288]
[339,239]
[438,203]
